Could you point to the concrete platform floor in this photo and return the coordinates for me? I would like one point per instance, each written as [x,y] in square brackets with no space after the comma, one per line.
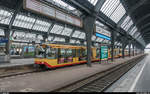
[50,80]
[18,62]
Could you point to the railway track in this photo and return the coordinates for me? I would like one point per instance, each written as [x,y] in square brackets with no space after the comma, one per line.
[101,81]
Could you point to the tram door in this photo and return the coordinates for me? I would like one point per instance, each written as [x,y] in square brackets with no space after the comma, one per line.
[82,54]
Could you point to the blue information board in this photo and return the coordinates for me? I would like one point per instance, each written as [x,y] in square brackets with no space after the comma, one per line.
[104,52]
[103,36]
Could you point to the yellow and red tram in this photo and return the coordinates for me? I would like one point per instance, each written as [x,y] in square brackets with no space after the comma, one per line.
[55,55]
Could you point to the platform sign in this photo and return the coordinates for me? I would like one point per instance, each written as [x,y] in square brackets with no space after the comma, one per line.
[52,12]
[104,52]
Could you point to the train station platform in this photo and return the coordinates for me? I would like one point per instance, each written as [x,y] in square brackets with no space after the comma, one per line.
[17,62]
[50,80]
[136,80]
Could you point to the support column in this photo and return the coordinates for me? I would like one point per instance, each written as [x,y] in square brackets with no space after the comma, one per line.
[7,34]
[123,49]
[129,49]
[89,23]
[133,50]
[113,36]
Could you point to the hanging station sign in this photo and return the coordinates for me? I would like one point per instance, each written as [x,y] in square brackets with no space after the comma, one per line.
[38,7]
[102,33]
[104,52]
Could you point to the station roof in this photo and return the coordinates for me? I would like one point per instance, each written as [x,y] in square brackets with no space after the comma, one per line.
[132,16]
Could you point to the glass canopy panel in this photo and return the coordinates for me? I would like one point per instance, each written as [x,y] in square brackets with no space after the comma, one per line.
[82,36]
[72,41]
[99,23]
[85,43]
[2,32]
[126,28]
[109,7]
[116,43]
[99,39]
[41,25]
[125,22]
[93,38]
[118,13]
[23,21]
[134,29]
[76,34]
[40,37]
[30,37]
[78,42]
[96,44]
[58,39]
[57,29]
[20,36]
[5,16]
[137,35]
[50,38]
[105,41]
[93,2]
[67,32]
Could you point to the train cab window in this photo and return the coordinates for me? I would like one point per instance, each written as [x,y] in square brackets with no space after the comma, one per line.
[40,52]
[50,53]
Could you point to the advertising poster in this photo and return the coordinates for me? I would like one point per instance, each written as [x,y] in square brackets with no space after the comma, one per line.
[29,50]
[104,52]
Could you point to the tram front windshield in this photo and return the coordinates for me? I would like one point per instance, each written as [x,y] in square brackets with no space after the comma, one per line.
[47,52]
[40,52]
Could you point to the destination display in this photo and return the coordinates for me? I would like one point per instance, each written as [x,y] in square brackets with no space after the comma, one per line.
[49,11]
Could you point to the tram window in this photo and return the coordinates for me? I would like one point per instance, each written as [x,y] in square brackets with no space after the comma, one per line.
[51,53]
[62,53]
[78,53]
[84,52]
[68,52]
[69,57]
[74,52]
